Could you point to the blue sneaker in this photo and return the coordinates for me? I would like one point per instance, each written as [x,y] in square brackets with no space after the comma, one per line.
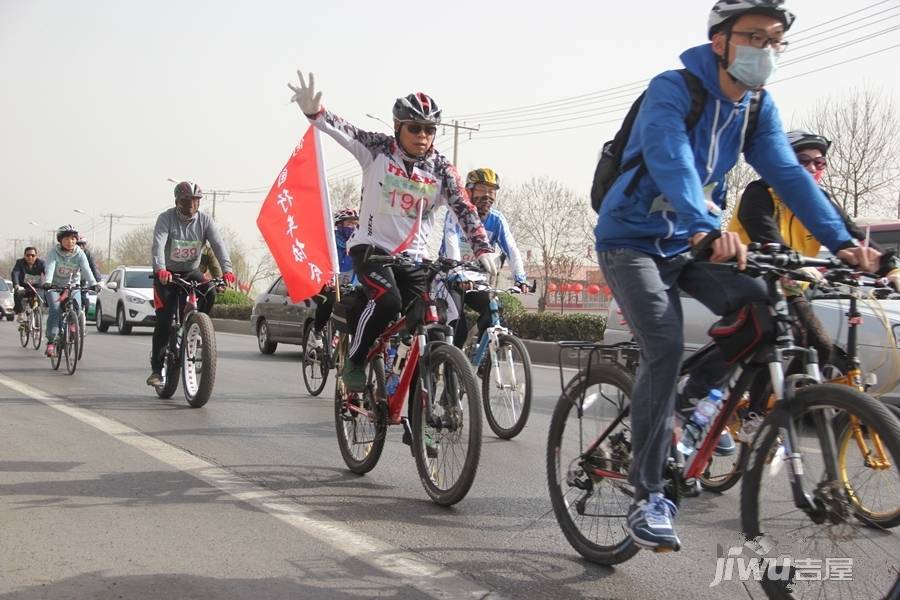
[649,523]
[726,445]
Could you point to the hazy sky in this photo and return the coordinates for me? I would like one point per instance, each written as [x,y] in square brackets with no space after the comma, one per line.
[102,101]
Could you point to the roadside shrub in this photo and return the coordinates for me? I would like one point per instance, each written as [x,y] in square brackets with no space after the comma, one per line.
[231,311]
[554,327]
[233,297]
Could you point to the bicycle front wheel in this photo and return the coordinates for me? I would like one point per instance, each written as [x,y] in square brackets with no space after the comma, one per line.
[198,359]
[37,328]
[447,448]
[591,494]
[359,420]
[830,551]
[314,363]
[868,473]
[71,341]
[506,387]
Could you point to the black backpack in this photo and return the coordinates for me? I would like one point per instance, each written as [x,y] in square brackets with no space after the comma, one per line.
[610,166]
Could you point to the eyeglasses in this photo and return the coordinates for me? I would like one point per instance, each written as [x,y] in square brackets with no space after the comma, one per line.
[758,40]
[31,256]
[820,162]
[417,128]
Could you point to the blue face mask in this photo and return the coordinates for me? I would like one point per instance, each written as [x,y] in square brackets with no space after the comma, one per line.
[344,232]
[753,66]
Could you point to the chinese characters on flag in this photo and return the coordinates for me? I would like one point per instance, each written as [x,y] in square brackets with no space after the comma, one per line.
[295,221]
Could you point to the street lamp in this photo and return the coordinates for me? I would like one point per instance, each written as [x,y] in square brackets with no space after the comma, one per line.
[380,120]
[91,217]
[215,195]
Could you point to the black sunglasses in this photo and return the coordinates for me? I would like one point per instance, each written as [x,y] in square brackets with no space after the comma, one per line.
[416,129]
[30,255]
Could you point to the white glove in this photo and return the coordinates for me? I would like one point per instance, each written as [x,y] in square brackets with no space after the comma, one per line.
[306,97]
[487,263]
[812,273]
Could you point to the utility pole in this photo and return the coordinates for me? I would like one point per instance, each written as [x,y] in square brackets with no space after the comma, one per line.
[15,242]
[216,194]
[109,245]
[456,127]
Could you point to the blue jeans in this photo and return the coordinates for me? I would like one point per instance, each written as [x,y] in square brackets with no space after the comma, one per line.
[646,288]
[53,312]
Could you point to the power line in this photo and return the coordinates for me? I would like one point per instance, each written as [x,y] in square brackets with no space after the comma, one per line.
[482,116]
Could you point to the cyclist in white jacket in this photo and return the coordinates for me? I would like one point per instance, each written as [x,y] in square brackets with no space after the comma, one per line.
[404,180]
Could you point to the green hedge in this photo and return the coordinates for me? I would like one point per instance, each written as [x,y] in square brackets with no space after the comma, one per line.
[231,311]
[553,327]
[233,297]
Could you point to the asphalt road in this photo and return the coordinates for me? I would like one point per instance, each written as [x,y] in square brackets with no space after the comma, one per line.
[108,492]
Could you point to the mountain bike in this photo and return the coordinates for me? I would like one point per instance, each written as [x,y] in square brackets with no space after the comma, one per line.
[318,352]
[32,328]
[71,336]
[792,495]
[444,422]
[500,359]
[191,347]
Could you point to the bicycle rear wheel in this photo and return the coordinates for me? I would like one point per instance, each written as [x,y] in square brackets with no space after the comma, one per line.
[315,361]
[359,420]
[71,341]
[828,535]
[591,495]
[448,448]
[171,370]
[198,359]
[25,331]
[82,326]
[37,327]
[506,387]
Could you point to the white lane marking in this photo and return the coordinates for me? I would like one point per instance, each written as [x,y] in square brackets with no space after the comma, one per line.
[431,578]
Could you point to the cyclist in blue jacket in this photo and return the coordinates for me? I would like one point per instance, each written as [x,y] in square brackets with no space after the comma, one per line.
[643,237]
[482,186]
[346,222]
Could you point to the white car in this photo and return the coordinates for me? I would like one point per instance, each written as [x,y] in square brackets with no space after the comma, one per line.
[126,298]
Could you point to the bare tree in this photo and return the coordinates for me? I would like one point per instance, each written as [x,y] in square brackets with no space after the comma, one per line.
[344,193]
[863,159]
[736,182]
[549,220]
[133,248]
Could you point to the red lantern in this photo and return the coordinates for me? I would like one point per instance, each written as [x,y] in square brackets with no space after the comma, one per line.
[577,287]
[593,289]
[551,287]
[564,287]
[606,291]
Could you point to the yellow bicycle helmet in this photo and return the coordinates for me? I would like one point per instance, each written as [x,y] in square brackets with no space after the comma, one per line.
[485,176]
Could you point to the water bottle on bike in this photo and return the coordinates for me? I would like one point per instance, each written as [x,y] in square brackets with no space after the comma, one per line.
[693,429]
[393,379]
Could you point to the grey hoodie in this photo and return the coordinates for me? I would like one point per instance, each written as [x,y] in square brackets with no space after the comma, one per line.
[178,244]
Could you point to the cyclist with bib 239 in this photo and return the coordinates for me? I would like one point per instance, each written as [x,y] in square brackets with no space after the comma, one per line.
[178,240]
[482,185]
[669,201]
[405,179]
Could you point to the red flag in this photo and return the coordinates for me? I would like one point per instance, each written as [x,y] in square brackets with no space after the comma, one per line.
[295,221]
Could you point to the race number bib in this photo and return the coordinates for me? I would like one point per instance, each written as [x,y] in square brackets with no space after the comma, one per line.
[184,250]
[466,253]
[32,279]
[402,197]
[65,268]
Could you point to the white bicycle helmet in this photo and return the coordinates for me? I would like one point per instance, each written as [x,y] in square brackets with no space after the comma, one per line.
[725,11]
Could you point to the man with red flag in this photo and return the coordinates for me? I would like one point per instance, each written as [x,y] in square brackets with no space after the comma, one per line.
[404,180]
